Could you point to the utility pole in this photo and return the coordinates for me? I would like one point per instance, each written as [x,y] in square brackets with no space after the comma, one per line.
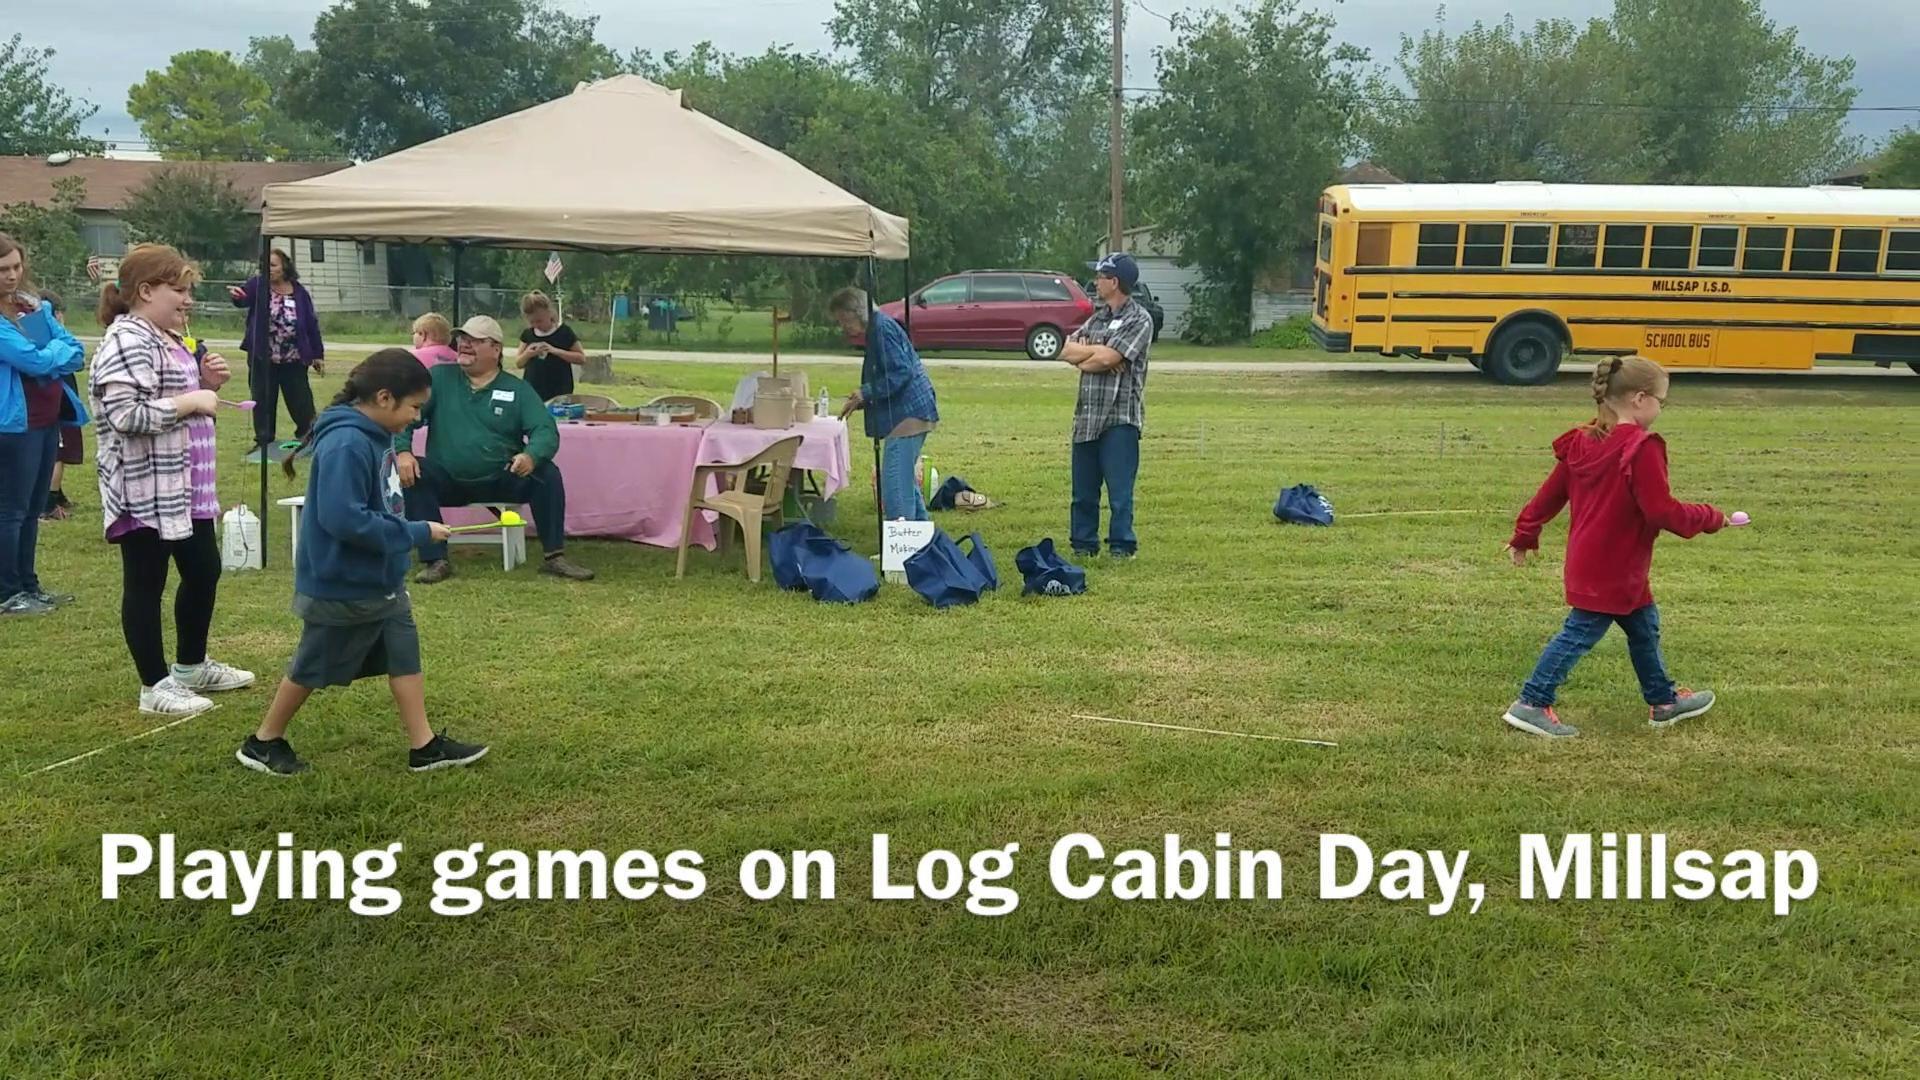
[1116,149]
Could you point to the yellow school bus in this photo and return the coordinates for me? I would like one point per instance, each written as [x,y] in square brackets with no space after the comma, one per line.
[1514,276]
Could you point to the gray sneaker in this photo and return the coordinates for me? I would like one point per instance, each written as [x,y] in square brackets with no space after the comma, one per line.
[1685,705]
[434,572]
[1538,720]
[562,567]
[24,604]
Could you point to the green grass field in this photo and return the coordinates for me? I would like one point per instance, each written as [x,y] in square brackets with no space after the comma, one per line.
[641,712]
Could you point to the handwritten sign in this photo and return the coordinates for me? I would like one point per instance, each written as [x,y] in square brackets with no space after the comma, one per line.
[902,539]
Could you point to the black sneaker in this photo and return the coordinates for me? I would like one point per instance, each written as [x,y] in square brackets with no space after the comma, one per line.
[273,757]
[444,753]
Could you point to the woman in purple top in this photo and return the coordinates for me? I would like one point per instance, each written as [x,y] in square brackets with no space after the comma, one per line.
[154,407]
[293,346]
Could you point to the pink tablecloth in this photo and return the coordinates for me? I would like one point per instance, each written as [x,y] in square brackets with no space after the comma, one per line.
[631,481]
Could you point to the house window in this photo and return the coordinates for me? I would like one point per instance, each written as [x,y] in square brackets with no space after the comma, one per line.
[368,254]
[105,238]
[316,251]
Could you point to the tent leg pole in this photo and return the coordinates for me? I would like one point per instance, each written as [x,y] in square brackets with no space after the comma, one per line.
[458,251]
[257,371]
[879,503]
[906,297]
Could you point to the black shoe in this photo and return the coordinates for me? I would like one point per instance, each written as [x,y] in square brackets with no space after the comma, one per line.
[273,757]
[434,572]
[444,753]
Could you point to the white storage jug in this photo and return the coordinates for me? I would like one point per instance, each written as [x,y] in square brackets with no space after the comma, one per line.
[240,540]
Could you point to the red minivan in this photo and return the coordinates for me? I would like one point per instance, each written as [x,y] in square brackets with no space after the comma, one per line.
[1031,310]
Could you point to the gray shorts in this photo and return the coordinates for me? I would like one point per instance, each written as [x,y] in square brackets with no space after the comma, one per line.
[346,640]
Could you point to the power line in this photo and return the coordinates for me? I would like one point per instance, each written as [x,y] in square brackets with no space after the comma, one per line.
[1624,106]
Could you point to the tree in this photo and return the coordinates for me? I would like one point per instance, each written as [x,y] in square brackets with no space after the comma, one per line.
[195,209]
[1491,103]
[205,106]
[274,60]
[1662,91]
[36,117]
[388,74]
[1898,165]
[1251,124]
[50,234]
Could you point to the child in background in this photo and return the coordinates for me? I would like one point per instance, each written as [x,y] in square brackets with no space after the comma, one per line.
[433,340]
[1613,471]
[349,577]
[549,349]
[73,447]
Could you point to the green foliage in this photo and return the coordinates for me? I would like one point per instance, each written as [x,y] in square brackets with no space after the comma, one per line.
[1899,163]
[1289,333]
[1251,125]
[205,106]
[195,209]
[50,233]
[37,117]
[384,75]
[1663,91]
[274,59]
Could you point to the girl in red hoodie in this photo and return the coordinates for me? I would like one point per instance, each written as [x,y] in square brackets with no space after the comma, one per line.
[1613,472]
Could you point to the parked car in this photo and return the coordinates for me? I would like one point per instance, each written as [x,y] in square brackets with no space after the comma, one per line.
[1031,310]
[1144,297]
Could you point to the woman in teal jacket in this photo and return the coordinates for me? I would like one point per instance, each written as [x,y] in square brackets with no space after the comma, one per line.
[35,353]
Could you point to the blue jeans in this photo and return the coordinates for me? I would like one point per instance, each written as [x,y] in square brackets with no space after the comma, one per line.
[26,470]
[1113,459]
[1583,631]
[900,497]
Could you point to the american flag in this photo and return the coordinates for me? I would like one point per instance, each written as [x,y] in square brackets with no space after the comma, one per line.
[553,267]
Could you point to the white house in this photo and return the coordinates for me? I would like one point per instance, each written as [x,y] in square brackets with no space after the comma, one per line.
[341,276]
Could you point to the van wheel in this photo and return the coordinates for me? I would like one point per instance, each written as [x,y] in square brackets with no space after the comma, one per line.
[1044,342]
[1524,354]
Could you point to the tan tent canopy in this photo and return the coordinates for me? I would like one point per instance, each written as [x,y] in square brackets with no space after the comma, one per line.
[618,165]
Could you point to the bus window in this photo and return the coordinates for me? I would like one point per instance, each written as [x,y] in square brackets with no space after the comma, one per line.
[1326,241]
[1376,245]
[1577,246]
[1530,244]
[1672,247]
[1626,247]
[1718,246]
[1486,245]
[1812,250]
[1860,251]
[1903,253]
[1439,246]
[1766,248]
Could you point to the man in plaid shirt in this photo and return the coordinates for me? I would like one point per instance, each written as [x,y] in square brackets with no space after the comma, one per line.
[1110,352]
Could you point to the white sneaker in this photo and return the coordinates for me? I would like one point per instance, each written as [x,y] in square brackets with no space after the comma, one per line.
[211,677]
[169,698]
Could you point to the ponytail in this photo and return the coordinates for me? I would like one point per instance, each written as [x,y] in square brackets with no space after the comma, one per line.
[1617,378]
[112,304]
[396,371]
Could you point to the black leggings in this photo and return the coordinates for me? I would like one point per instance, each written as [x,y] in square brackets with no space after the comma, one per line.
[143,567]
[269,383]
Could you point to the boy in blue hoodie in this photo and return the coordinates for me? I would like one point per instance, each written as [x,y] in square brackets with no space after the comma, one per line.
[349,578]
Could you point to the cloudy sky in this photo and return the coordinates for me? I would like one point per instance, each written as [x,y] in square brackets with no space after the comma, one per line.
[103,47]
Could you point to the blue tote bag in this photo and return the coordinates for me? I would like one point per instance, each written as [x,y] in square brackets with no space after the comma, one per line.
[1302,505]
[804,557]
[944,575]
[1046,573]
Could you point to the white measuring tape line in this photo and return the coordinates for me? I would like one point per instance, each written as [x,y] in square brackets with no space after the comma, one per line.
[122,742]
[1204,731]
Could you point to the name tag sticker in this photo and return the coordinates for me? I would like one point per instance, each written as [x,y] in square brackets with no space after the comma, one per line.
[1113,326]
[503,395]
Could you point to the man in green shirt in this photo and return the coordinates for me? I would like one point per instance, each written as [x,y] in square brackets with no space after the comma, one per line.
[489,439]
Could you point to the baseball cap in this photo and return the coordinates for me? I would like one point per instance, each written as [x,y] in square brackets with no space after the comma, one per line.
[481,326]
[1121,267]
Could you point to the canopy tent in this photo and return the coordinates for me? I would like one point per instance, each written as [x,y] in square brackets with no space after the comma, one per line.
[653,175]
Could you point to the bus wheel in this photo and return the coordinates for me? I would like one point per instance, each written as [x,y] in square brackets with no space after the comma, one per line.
[1524,354]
